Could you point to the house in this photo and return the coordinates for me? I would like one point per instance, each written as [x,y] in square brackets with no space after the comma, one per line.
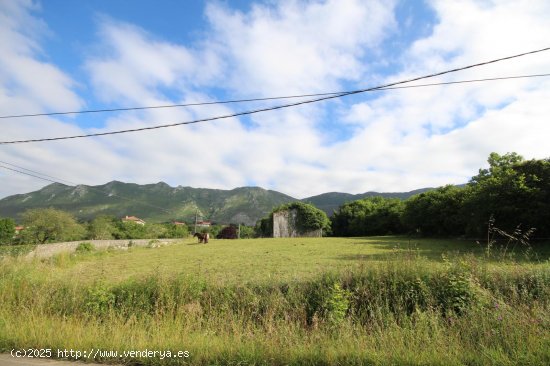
[204,223]
[177,223]
[133,219]
[17,231]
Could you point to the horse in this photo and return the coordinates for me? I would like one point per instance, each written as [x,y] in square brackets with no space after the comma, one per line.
[203,238]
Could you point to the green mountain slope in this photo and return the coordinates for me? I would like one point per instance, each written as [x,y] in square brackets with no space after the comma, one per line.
[151,202]
[160,202]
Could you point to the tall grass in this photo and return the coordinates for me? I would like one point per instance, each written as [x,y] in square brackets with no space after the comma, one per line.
[404,311]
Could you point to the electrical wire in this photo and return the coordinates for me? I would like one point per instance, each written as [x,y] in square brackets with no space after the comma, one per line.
[260,99]
[57,180]
[250,112]
[467,81]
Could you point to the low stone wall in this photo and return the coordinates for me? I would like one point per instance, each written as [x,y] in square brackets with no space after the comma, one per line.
[48,250]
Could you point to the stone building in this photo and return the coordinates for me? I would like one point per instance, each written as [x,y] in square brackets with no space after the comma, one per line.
[285,225]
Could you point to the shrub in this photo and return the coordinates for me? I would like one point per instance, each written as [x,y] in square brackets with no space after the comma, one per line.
[85,247]
[7,231]
[228,232]
[327,300]
[99,299]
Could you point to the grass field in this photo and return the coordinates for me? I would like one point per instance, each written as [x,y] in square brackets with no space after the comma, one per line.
[302,301]
[257,260]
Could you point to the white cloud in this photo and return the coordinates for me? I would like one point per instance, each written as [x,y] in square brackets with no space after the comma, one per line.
[298,47]
[442,135]
[400,140]
[28,84]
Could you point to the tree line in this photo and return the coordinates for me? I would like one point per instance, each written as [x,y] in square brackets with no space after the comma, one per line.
[513,193]
[45,225]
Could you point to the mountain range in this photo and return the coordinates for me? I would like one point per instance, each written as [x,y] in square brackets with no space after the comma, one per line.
[160,202]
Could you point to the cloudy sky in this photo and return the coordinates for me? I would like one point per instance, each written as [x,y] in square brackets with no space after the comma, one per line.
[59,55]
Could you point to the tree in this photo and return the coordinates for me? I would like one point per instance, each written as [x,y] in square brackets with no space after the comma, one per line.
[7,231]
[103,228]
[264,227]
[44,225]
[130,230]
[513,192]
[176,231]
[439,212]
[369,216]
[155,231]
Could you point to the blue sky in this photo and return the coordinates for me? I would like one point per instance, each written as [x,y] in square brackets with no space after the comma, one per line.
[60,55]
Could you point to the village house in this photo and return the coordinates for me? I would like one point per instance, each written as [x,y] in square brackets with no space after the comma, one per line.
[134,219]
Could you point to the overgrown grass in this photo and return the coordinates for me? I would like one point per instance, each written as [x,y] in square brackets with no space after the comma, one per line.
[331,301]
[15,250]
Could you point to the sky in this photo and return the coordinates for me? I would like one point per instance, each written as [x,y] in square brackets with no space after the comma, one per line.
[65,56]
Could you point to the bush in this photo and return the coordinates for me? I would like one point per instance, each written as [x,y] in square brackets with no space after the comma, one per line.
[247,232]
[7,231]
[99,299]
[228,232]
[85,247]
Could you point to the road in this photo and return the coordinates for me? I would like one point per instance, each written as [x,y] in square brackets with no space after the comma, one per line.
[8,360]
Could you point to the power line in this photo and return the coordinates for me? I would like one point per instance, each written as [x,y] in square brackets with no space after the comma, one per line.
[259,99]
[467,81]
[167,106]
[279,106]
[57,180]
[32,175]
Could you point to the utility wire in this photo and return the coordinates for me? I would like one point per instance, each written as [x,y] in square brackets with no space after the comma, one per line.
[57,180]
[279,106]
[260,99]
[466,81]
[167,106]
[32,175]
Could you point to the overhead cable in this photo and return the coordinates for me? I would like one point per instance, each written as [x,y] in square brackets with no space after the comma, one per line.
[263,99]
[250,112]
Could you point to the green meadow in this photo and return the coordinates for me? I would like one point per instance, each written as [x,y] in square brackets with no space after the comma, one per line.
[297,301]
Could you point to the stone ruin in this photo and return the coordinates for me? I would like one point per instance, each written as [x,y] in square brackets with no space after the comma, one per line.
[285,225]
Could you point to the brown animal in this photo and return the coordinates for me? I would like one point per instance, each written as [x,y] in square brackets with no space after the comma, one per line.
[203,238]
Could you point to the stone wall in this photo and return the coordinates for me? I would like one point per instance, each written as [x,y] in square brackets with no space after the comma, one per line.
[48,250]
[285,225]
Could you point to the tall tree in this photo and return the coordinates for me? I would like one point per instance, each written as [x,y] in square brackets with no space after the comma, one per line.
[437,213]
[512,191]
[49,225]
